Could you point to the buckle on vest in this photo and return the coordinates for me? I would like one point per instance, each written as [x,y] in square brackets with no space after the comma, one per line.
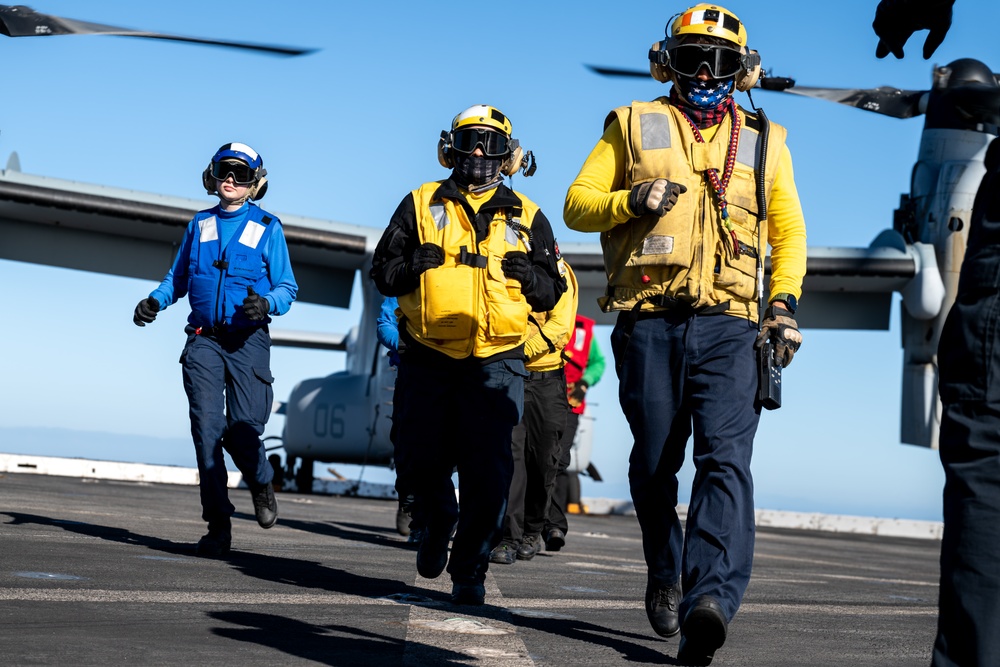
[470,258]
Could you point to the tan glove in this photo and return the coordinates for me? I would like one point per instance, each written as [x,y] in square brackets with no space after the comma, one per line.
[779,325]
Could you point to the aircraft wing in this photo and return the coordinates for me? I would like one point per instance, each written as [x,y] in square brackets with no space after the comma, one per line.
[136,234]
[844,288]
[309,340]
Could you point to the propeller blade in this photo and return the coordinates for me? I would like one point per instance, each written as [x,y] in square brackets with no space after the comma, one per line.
[613,71]
[766,82]
[884,100]
[21,21]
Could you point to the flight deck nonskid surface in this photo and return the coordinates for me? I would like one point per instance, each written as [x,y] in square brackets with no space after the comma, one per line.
[101,572]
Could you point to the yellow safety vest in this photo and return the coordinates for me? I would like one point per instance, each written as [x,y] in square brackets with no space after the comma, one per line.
[467,307]
[557,325]
[687,253]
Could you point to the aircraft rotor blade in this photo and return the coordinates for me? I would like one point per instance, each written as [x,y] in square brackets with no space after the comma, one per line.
[614,71]
[766,82]
[21,21]
[884,100]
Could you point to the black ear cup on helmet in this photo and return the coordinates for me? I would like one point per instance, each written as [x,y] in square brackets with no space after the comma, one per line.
[444,150]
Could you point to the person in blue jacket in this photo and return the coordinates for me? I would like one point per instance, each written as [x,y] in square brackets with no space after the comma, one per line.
[387,328]
[387,332]
[233,266]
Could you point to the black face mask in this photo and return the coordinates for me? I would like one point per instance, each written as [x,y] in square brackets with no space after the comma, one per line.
[474,170]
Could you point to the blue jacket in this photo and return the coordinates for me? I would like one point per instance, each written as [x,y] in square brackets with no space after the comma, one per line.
[223,253]
[387,328]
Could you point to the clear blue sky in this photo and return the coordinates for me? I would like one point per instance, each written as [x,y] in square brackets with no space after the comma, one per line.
[347,131]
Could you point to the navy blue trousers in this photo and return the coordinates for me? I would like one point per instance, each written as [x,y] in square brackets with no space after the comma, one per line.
[228,384]
[460,414]
[681,375]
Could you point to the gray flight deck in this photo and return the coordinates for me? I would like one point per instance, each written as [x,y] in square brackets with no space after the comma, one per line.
[102,572]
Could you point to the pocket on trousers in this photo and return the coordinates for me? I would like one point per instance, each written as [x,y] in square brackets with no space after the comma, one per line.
[263,410]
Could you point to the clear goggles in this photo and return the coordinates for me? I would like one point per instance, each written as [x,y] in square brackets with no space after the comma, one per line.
[722,62]
[241,172]
[494,144]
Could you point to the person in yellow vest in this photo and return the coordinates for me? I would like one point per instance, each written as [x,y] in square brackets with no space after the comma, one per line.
[687,191]
[468,260]
[536,440]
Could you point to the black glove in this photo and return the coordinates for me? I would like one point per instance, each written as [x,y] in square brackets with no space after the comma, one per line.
[657,197]
[145,311]
[427,256]
[779,325]
[255,306]
[517,266]
[577,392]
[896,20]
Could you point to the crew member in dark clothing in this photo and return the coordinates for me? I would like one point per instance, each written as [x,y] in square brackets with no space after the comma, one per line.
[584,368]
[468,259]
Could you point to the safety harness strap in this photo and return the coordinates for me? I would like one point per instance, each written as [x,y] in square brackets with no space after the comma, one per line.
[470,258]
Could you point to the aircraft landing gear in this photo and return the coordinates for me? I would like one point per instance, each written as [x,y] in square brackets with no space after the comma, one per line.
[304,476]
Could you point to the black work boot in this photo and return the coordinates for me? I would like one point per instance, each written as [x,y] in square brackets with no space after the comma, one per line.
[432,553]
[555,540]
[265,506]
[469,594]
[703,632]
[217,541]
[504,553]
[530,545]
[661,608]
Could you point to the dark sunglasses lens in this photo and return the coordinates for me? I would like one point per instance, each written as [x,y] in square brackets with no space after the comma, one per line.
[721,62]
[494,144]
[242,173]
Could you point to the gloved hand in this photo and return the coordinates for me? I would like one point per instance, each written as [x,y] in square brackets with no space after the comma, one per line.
[255,306]
[779,325]
[427,256]
[517,266]
[896,20]
[657,197]
[576,392]
[145,311]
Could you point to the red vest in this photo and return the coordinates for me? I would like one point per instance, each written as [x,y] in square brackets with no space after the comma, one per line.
[576,353]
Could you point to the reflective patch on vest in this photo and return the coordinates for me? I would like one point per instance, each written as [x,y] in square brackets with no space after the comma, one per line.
[746,152]
[440,215]
[510,235]
[252,233]
[209,230]
[654,129]
[658,245]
